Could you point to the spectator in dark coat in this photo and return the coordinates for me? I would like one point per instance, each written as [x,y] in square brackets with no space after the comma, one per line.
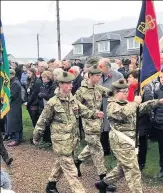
[33,89]
[75,70]
[158,120]
[120,67]
[14,117]
[46,92]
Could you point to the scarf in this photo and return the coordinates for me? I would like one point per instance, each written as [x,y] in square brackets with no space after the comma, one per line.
[131,91]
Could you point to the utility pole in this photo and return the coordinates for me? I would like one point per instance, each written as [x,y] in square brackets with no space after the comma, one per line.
[58,30]
[38,46]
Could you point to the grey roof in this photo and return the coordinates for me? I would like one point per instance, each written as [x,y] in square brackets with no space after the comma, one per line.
[160,32]
[83,41]
[109,36]
[118,48]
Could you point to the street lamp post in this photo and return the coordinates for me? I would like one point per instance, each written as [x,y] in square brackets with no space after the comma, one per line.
[93,37]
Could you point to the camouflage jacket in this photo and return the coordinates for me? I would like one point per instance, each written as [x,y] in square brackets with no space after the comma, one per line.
[61,113]
[122,115]
[91,97]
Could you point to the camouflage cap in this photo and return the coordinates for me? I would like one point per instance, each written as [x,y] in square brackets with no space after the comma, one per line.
[94,69]
[65,77]
[120,84]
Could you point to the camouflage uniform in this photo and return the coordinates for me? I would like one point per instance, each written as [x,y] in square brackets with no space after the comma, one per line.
[92,98]
[122,118]
[61,113]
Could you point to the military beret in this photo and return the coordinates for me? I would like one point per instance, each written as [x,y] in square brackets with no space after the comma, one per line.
[65,77]
[12,72]
[120,84]
[94,70]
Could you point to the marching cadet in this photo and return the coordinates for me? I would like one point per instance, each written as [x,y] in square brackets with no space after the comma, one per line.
[61,112]
[122,119]
[90,94]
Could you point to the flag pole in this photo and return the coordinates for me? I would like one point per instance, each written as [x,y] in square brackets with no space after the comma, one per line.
[138,94]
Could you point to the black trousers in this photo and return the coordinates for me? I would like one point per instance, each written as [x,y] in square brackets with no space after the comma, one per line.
[34,114]
[3,151]
[105,142]
[159,133]
[143,145]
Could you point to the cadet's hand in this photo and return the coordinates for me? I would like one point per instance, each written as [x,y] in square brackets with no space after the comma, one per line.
[100,114]
[138,99]
[161,101]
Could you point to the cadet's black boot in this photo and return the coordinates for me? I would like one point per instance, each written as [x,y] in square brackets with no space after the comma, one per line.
[111,187]
[51,187]
[77,164]
[103,187]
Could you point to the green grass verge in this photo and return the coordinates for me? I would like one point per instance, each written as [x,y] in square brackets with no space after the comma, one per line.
[152,165]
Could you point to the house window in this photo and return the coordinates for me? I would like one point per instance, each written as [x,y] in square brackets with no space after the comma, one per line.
[132,44]
[78,49]
[104,46]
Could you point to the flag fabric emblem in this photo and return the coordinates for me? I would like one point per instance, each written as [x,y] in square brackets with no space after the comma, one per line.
[4,77]
[147,35]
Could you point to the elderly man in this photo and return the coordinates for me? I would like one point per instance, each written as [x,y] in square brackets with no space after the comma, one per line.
[78,78]
[109,76]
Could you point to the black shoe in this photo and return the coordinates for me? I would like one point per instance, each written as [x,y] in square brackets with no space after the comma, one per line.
[51,187]
[103,187]
[77,164]
[160,174]
[9,161]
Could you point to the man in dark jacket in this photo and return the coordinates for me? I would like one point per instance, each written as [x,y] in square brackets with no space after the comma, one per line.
[14,116]
[158,120]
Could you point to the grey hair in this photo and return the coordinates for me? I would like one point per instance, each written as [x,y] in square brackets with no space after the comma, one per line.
[106,62]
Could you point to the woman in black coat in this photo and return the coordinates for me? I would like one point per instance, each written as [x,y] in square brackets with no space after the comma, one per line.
[14,124]
[33,89]
[46,92]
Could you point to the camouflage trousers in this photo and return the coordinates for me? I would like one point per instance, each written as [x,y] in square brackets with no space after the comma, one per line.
[127,164]
[3,151]
[65,164]
[94,150]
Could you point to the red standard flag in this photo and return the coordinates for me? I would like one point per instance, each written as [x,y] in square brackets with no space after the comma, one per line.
[147,35]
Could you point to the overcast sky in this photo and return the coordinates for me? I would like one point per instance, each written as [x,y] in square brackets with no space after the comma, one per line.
[14,12]
[17,12]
